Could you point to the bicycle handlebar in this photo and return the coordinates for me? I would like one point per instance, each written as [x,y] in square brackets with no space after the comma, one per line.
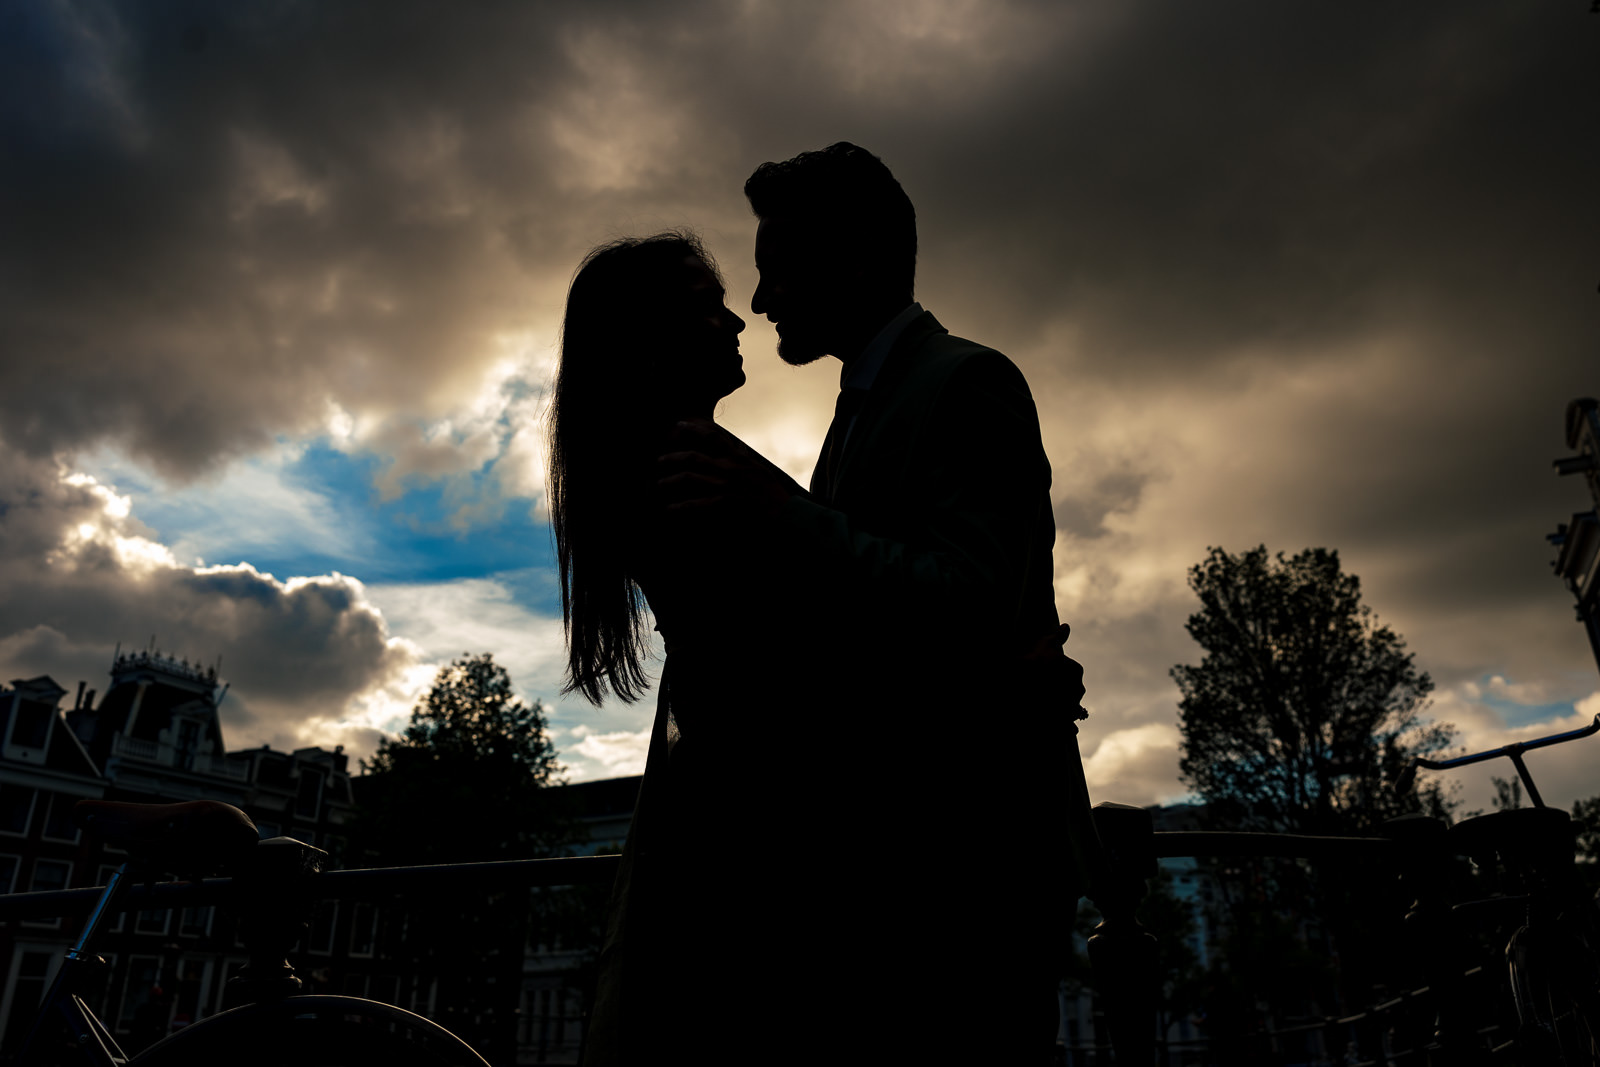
[1512,751]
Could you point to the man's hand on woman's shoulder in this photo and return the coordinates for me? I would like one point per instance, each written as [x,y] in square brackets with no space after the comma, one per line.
[706,469]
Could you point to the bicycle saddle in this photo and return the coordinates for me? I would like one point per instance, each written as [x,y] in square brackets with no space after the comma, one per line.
[1517,834]
[192,835]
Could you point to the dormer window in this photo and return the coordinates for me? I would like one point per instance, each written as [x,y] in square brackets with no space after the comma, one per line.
[31,726]
[308,797]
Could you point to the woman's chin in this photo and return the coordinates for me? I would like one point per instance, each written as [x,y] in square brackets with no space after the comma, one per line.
[734,384]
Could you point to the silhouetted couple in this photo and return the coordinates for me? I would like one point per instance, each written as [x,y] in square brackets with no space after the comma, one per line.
[851,842]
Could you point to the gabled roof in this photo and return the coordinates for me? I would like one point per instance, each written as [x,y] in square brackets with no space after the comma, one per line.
[64,753]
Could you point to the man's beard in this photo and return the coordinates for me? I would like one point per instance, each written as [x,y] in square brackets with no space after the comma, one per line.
[797,349]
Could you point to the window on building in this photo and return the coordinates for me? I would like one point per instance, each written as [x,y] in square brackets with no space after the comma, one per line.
[31,727]
[58,824]
[27,989]
[542,1017]
[96,987]
[385,988]
[8,873]
[195,922]
[422,993]
[363,929]
[49,876]
[319,938]
[219,995]
[153,921]
[391,931]
[308,796]
[334,846]
[16,809]
[525,1008]
[144,973]
[185,998]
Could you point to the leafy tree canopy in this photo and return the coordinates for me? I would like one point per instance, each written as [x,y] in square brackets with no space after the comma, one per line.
[1303,710]
[466,779]
[1586,825]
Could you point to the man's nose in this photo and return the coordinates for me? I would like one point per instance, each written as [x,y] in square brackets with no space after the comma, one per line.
[758,299]
[738,322]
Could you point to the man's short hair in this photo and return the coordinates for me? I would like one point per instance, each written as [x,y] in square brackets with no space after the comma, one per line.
[851,198]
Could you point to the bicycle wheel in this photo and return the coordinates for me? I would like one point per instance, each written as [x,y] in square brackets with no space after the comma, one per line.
[1556,984]
[312,1031]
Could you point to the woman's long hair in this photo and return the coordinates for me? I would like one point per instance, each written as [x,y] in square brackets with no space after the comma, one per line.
[622,309]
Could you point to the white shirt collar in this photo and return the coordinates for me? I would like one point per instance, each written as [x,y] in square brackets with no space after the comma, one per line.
[863,371]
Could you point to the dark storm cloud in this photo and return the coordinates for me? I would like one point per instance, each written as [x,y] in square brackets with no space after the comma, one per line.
[219,216]
[1213,179]
[1301,276]
[222,214]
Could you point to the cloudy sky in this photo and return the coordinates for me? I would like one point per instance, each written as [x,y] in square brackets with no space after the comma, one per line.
[280,284]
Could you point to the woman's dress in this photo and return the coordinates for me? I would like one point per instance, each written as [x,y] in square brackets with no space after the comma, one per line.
[687,967]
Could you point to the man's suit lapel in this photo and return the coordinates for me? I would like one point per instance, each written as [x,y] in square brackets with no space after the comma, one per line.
[882,397]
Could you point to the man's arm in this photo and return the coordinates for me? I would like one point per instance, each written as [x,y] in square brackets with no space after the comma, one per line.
[949,550]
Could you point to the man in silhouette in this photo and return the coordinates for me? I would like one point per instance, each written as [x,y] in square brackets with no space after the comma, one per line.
[918,885]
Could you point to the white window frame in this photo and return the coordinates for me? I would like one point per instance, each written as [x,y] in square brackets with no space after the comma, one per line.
[205,929]
[355,919]
[424,997]
[33,877]
[117,1024]
[51,950]
[77,834]
[228,967]
[322,786]
[33,803]
[166,922]
[390,993]
[326,948]
[101,1008]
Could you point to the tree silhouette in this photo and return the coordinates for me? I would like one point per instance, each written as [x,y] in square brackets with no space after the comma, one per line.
[466,781]
[1303,710]
[1300,716]
[1586,827]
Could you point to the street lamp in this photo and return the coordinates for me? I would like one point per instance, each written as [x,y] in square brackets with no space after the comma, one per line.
[1578,563]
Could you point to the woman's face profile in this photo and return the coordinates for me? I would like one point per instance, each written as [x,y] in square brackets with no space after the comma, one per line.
[704,364]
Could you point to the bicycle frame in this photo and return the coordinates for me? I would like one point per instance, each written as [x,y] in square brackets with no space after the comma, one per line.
[62,1001]
[124,892]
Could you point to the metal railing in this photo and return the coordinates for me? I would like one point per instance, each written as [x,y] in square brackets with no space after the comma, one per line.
[1123,954]
[330,885]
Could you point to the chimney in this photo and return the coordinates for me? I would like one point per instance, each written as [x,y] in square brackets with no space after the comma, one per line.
[78,703]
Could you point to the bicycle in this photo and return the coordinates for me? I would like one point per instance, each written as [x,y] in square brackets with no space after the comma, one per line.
[268,1022]
[1552,967]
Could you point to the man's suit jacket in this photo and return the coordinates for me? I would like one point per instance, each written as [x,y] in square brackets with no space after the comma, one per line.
[913,583]
[915,578]
[932,545]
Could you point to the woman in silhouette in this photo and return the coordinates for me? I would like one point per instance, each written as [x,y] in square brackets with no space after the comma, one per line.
[648,341]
